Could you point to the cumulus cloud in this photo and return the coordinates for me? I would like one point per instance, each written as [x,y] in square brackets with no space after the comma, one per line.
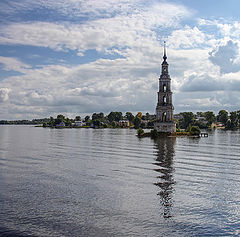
[4,94]
[103,85]
[121,30]
[187,38]
[132,31]
[225,57]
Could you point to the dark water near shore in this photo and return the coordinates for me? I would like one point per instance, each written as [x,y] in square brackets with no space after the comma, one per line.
[85,182]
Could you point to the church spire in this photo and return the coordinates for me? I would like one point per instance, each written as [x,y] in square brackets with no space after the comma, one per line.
[165,55]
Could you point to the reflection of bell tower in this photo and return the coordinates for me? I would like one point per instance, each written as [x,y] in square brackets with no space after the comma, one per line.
[165,107]
[164,163]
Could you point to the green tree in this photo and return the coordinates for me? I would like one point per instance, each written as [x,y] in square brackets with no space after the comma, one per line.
[78,118]
[115,116]
[195,131]
[51,122]
[113,124]
[86,118]
[137,122]
[94,116]
[60,118]
[228,124]
[210,117]
[200,114]
[222,116]
[234,119]
[238,114]
[129,116]
[148,117]
[96,123]
[188,119]
[143,125]
[68,122]
[140,132]
[99,116]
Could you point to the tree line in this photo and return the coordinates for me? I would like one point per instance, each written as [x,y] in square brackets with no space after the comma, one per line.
[112,120]
[227,120]
[99,120]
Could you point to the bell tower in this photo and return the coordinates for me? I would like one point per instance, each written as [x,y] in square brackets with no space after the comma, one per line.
[164,109]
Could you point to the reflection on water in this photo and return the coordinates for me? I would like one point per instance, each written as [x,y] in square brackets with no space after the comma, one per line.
[86,182]
[164,161]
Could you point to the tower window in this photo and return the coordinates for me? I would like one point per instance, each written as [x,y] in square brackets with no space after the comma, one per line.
[164,117]
[164,99]
[164,88]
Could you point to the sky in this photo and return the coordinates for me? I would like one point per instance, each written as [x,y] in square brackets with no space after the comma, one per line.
[77,57]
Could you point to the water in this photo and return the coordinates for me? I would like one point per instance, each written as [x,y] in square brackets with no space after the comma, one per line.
[108,182]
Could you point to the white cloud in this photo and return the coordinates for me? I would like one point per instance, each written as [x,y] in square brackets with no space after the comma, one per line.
[13,64]
[4,94]
[226,57]
[135,29]
[187,38]
[131,28]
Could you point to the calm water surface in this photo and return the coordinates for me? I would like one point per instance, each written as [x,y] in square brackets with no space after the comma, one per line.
[85,182]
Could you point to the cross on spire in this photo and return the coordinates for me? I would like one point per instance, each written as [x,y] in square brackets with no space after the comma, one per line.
[165,55]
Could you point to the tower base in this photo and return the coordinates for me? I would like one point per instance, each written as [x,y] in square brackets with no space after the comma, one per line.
[168,127]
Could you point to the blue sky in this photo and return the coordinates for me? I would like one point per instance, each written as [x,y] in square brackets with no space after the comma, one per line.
[79,57]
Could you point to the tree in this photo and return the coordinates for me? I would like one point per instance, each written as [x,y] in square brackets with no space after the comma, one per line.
[118,116]
[68,122]
[238,114]
[99,116]
[188,118]
[228,124]
[195,131]
[115,116]
[60,118]
[233,120]
[140,132]
[86,118]
[139,114]
[148,117]
[200,114]
[96,123]
[94,116]
[137,122]
[51,122]
[222,116]
[78,118]
[143,125]
[129,116]
[210,117]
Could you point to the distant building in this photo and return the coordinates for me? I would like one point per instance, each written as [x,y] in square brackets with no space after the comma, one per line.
[178,116]
[78,123]
[60,125]
[123,123]
[164,109]
[201,120]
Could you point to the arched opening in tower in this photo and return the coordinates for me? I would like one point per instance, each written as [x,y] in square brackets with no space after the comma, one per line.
[164,99]
[164,116]
[164,88]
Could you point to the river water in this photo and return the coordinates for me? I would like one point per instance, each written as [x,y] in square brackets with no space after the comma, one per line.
[108,182]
